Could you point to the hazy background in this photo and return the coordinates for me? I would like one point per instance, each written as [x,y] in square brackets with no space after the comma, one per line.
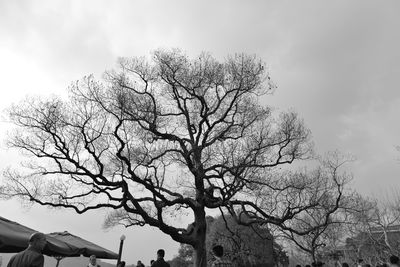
[336,63]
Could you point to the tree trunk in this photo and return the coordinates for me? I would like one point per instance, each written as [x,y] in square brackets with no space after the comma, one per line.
[385,234]
[200,255]
[313,256]
[200,250]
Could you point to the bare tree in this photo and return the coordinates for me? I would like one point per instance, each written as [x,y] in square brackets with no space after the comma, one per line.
[162,136]
[337,203]
[375,231]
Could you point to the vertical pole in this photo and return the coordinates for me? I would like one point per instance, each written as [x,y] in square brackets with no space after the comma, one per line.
[121,244]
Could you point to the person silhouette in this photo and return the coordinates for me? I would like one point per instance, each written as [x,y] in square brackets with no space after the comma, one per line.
[93,261]
[160,262]
[32,256]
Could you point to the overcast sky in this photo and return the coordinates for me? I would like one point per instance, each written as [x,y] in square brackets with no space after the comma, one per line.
[336,63]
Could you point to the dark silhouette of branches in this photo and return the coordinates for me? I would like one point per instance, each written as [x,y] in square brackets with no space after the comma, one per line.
[161,136]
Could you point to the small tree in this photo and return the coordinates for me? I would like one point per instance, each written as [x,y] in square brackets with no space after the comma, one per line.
[375,232]
[162,136]
[327,223]
[184,257]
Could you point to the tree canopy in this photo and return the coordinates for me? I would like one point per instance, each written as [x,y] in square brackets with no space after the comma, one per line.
[168,134]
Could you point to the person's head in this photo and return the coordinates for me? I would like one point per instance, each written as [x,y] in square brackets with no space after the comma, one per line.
[345,264]
[160,253]
[393,259]
[92,260]
[37,240]
[121,264]
[360,261]
[218,251]
[139,263]
[151,262]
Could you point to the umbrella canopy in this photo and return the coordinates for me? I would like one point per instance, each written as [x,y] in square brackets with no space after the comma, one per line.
[86,248]
[14,237]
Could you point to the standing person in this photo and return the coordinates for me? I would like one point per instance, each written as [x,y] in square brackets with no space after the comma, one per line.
[160,262]
[32,256]
[93,261]
[218,252]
